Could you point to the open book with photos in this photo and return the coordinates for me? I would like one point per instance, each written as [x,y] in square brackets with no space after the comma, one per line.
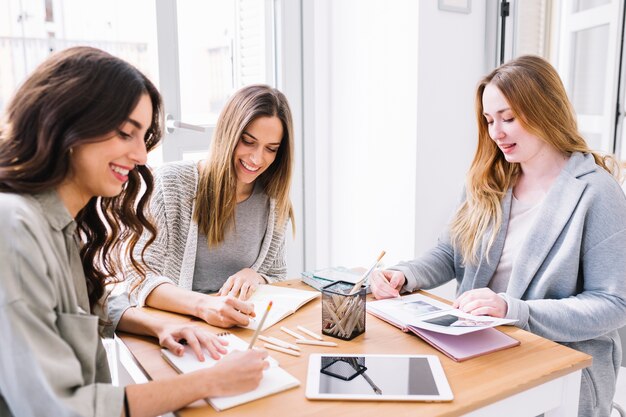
[458,335]
[275,379]
[285,302]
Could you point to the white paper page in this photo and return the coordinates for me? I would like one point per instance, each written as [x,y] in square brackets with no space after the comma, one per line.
[406,309]
[285,301]
[189,362]
[463,323]
[275,379]
[414,309]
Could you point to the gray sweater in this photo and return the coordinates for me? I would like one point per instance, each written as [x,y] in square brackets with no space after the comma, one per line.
[568,283]
[172,256]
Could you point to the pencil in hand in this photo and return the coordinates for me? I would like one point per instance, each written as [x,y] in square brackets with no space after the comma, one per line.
[357,285]
[260,326]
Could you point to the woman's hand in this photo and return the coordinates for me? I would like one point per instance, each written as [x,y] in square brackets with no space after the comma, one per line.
[387,284]
[225,311]
[239,372]
[242,284]
[482,302]
[173,336]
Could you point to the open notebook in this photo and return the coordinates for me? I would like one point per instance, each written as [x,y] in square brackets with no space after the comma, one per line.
[275,379]
[457,336]
[285,302]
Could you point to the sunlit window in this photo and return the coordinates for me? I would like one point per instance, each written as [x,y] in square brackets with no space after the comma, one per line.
[30,30]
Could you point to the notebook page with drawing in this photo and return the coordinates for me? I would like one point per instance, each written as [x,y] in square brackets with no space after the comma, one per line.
[275,379]
[286,301]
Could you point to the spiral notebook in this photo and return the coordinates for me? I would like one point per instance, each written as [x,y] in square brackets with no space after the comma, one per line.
[275,379]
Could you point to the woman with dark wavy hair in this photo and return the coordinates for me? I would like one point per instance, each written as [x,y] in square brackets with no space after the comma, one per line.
[73,149]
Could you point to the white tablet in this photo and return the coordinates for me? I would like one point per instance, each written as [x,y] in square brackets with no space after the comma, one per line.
[377,377]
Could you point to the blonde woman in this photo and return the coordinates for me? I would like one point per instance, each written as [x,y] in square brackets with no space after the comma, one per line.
[540,236]
[221,222]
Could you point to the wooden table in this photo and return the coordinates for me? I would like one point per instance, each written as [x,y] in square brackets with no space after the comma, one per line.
[537,376]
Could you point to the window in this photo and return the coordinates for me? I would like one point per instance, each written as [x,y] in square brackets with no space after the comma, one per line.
[217,46]
[32,29]
[581,38]
[197,52]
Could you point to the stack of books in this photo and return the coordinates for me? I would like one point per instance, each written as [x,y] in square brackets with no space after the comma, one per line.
[322,277]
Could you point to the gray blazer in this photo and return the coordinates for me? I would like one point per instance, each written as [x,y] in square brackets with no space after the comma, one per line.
[568,282]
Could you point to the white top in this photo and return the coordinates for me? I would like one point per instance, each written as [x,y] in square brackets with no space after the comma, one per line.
[522,217]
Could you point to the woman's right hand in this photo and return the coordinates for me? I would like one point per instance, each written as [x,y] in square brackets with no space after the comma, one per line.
[387,284]
[239,372]
[224,311]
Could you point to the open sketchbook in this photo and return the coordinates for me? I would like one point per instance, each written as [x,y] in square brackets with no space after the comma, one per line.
[285,302]
[275,379]
[458,335]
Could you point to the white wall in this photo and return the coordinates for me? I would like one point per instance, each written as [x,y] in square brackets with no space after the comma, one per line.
[450,64]
[289,73]
[389,124]
[362,130]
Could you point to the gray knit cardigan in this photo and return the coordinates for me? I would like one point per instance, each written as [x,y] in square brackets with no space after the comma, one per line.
[172,256]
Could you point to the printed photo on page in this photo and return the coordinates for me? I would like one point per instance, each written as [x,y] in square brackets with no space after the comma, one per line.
[456,322]
[406,309]
[423,312]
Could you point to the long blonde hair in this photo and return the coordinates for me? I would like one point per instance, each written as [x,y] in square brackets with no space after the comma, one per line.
[216,197]
[538,99]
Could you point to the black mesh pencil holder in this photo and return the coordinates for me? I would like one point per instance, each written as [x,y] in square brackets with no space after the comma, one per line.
[343,315]
[342,367]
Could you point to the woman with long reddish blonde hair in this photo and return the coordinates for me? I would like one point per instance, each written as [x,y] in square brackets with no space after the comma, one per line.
[540,236]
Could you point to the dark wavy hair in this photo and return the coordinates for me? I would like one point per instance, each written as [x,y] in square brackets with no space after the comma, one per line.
[74,97]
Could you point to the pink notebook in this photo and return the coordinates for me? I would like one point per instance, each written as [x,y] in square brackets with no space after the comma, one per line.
[460,347]
[467,346]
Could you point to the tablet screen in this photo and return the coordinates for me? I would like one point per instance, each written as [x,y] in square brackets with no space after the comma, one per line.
[380,377]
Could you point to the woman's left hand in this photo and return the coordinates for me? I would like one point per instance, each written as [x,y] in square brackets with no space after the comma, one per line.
[242,285]
[173,336]
[482,302]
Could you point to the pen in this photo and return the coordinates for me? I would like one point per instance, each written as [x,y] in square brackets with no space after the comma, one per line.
[310,333]
[360,282]
[260,326]
[292,333]
[281,349]
[315,342]
[278,342]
